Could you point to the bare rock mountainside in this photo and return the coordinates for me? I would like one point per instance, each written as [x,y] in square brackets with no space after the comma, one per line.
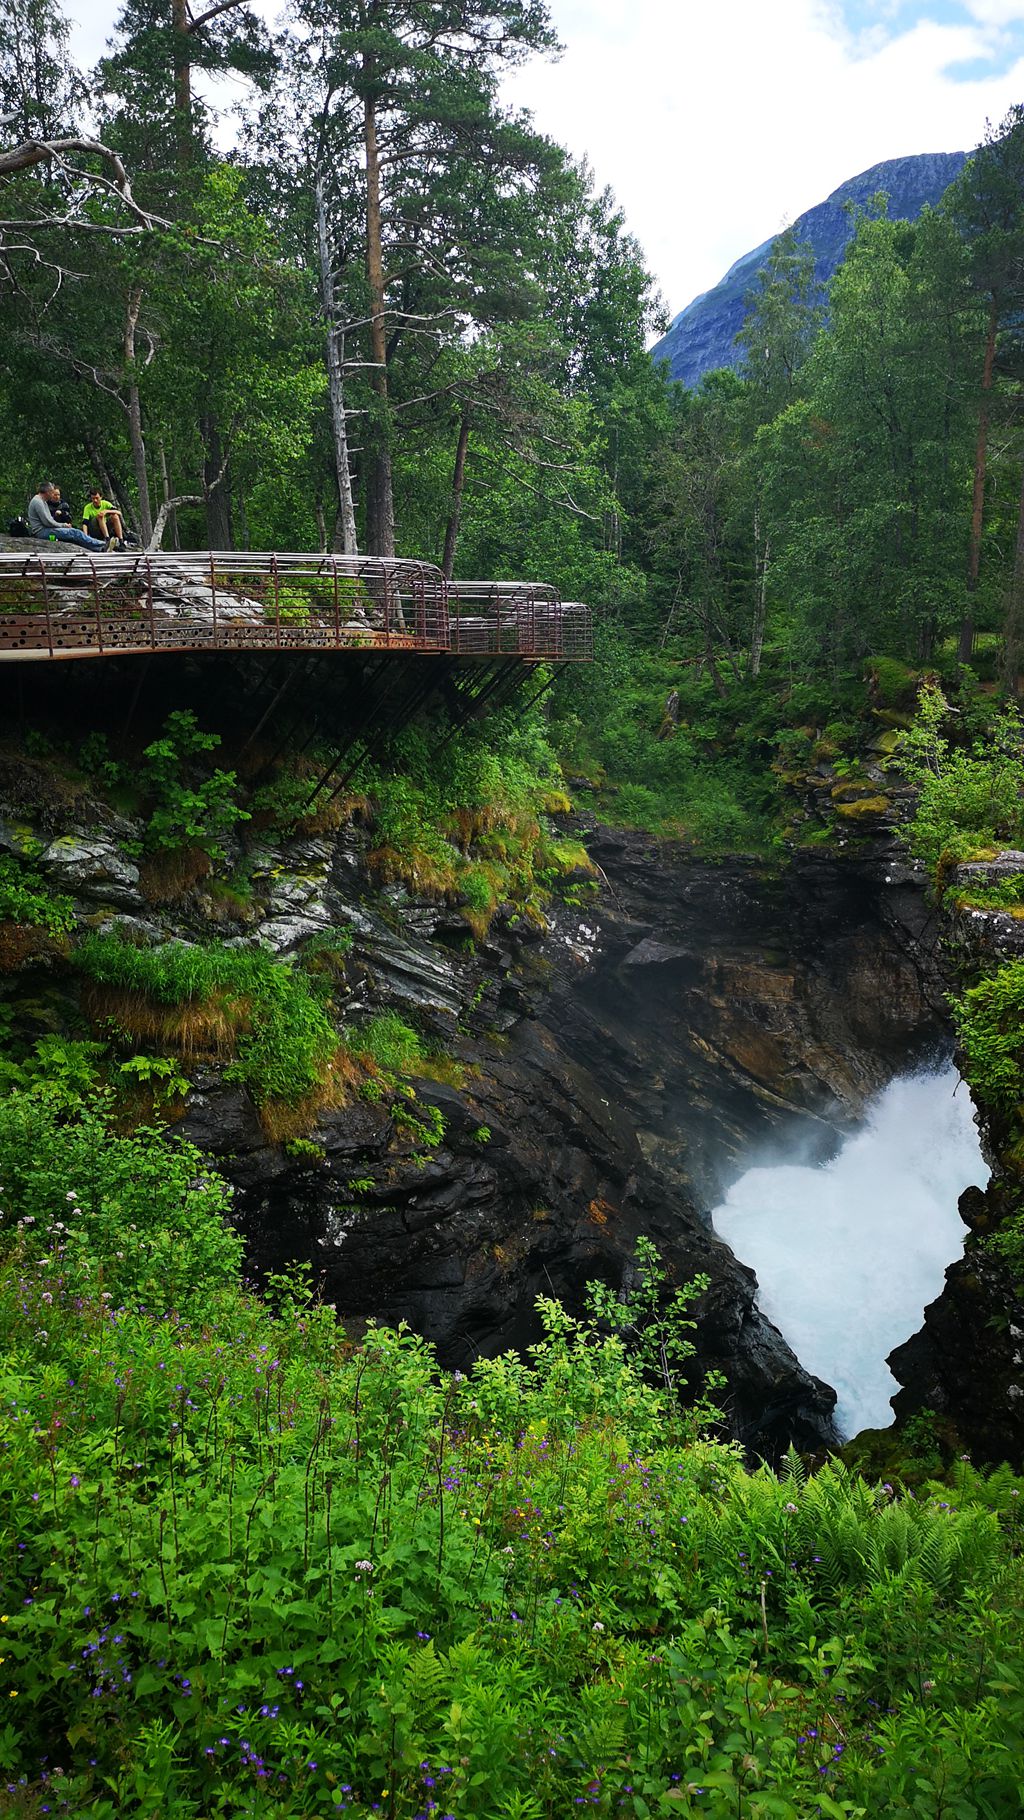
[703,336]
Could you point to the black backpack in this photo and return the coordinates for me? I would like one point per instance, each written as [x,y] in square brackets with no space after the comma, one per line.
[19,527]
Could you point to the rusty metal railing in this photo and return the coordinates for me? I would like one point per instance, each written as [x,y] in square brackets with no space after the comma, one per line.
[60,601]
[492,617]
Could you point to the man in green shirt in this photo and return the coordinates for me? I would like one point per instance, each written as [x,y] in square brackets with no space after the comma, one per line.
[101,518]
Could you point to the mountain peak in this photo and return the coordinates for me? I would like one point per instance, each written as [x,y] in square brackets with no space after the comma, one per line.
[703,336]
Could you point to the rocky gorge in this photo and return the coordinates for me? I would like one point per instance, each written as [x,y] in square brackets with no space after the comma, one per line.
[601,1078]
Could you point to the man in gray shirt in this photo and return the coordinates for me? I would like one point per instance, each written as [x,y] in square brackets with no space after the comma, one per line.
[45,527]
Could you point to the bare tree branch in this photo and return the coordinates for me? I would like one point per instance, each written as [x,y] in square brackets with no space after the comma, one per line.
[223,6]
[33,152]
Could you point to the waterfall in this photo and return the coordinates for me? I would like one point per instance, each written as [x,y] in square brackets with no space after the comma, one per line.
[847,1254]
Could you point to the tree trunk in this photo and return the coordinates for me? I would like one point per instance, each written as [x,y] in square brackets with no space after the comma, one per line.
[380,536]
[1013,631]
[451,535]
[101,472]
[704,621]
[168,507]
[165,491]
[219,534]
[182,57]
[966,646]
[335,375]
[134,408]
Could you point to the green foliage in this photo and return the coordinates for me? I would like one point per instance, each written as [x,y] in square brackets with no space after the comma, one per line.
[304,1150]
[967,799]
[509,1581]
[127,1221]
[61,1071]
[1007,1244]
[25,897]
[422,1122]
[95,758]
[990,1027]
[161,1073]
[1007,894]
[281,1036]
[197,814]
[389,1043]
[654,1323]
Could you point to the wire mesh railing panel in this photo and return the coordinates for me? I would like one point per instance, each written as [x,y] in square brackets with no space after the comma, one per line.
[524,618]
[59,601]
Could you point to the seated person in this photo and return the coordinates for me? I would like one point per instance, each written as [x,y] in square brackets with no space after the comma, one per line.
[61,511]
[100,517]
[47,529]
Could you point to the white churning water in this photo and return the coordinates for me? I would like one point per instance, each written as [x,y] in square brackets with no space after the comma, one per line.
[849,1253]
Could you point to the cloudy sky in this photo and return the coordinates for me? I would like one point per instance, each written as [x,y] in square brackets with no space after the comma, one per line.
[716,124]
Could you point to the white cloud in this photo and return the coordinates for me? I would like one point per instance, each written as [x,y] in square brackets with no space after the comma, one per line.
[715,125]
[995,12]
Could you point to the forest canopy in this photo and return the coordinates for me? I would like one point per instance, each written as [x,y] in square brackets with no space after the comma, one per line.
[373,308]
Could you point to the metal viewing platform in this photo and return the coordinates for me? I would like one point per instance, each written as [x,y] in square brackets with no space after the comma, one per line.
[60,602]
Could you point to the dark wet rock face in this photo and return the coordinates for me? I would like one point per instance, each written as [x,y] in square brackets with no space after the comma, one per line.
[736,1009]
[965,1365]
[614,1072]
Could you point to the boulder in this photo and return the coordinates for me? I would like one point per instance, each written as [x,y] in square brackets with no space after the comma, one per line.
[92,866]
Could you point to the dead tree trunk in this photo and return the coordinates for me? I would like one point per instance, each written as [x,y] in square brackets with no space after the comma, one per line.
[760,598]
[134,409]
[380,492]
[335,376]
[165,493]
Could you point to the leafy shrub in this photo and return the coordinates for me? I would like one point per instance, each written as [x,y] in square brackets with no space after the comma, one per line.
[200,814]
[654,1320]
[990,1025]
[238,1001]
[25,897]
[62,1071]
[967,799]
[139,1220]
[96,759]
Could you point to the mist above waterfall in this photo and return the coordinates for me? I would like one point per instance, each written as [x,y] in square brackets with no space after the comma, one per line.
[848,1254]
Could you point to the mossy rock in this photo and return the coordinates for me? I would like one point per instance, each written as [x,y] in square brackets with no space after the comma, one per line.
[895,684]
[866,808]
[885,742]
[853,787]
